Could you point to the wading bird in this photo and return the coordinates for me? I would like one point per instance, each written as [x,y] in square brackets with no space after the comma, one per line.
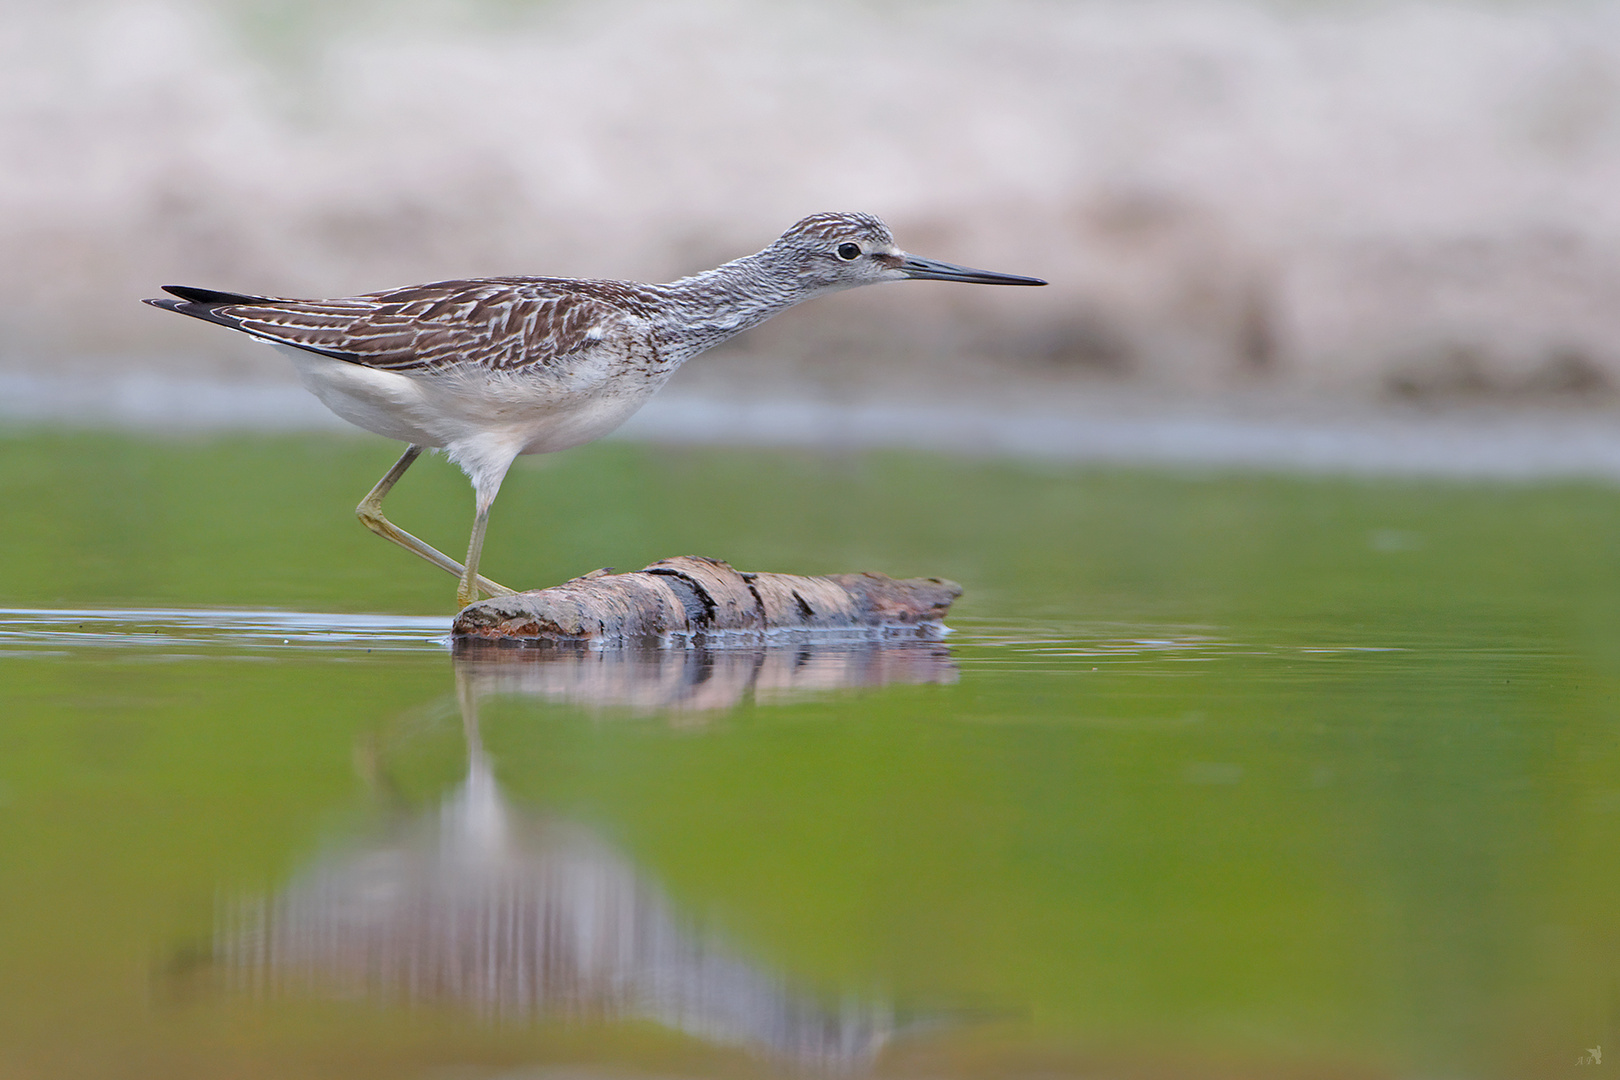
[490,368]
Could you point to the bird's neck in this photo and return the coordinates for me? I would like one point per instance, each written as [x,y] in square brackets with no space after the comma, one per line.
[706,309]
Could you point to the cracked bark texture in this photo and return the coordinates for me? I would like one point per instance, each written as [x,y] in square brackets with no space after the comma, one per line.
[689,596]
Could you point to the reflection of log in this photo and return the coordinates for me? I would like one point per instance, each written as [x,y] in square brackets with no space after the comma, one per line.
[692,597]
[700,679]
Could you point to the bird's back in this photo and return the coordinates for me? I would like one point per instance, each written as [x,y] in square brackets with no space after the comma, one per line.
[484,325]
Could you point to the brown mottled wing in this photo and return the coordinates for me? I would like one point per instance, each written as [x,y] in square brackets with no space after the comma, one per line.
[498,324]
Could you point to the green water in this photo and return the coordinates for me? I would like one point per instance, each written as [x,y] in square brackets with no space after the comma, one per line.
[1218,775]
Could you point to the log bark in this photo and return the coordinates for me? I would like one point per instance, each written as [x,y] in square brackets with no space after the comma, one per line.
[690,598]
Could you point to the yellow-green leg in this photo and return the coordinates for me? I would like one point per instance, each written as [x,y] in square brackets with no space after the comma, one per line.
[371,516]
[466,591]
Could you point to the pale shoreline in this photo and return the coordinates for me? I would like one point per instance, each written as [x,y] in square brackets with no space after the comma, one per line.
[1108,428]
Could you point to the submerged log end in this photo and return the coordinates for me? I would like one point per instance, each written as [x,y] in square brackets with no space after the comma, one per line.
[688,596]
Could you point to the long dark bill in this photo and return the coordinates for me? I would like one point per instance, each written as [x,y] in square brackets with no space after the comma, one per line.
[922,269]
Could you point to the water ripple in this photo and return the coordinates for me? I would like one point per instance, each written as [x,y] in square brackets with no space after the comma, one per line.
[1035,641]
[33,631]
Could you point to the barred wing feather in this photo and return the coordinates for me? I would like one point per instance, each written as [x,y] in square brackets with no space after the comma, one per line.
[499,324]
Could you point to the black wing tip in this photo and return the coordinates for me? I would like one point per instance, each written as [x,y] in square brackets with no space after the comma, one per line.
[195,295]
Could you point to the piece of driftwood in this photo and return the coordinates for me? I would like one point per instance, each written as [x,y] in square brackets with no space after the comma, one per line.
[692,598]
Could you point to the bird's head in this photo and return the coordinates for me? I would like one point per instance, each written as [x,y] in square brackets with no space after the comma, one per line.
[845,250]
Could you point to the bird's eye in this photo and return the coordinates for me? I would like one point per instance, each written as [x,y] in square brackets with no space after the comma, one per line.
[848,252]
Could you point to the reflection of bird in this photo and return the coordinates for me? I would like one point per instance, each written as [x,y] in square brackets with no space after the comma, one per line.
[491,368]
[484,904]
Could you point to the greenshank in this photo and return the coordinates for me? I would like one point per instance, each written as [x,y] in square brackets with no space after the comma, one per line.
[490,368]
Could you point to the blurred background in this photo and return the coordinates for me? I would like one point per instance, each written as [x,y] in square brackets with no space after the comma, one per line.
[1275,733]
[1284,209]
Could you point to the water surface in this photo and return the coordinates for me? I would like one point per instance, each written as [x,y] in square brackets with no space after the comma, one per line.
[1218,774]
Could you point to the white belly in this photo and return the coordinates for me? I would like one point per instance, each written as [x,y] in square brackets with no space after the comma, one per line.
[481,420]
[535,413]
